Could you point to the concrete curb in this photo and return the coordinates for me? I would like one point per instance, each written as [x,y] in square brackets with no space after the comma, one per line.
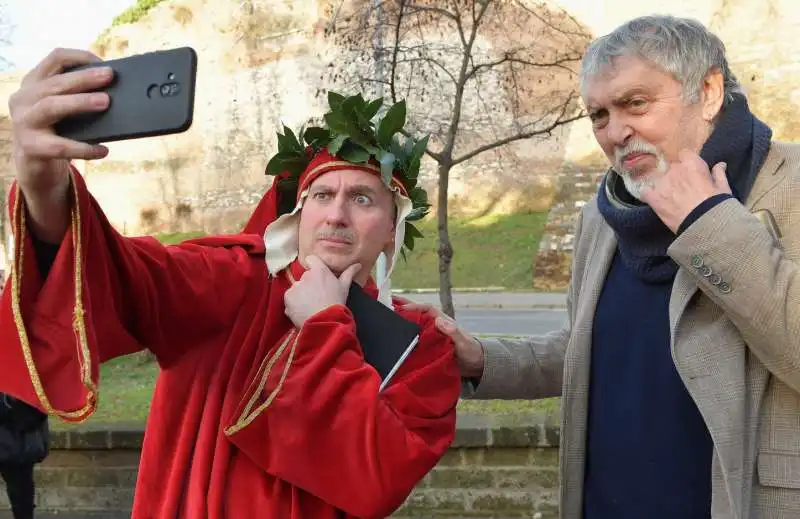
[490,299]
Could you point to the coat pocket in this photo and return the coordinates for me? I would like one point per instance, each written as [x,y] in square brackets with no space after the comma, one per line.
[779,469]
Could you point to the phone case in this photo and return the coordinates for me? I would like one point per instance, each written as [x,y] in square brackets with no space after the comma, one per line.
[151,94]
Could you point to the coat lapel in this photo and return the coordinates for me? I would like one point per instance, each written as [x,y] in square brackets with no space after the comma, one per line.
[575,399]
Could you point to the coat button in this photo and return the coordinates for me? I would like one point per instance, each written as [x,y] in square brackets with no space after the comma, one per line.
[705,271]
[724,287]
[697,261]
[715,279]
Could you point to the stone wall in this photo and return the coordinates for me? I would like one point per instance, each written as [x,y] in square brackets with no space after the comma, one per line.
[496,467]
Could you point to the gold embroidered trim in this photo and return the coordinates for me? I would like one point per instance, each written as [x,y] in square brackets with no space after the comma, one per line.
[247,416]
[365,165]
[78,323]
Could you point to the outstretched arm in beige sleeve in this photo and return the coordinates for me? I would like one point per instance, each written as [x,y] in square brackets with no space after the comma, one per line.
[510,369]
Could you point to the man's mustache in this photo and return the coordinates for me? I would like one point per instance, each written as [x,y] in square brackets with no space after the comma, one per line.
[345,235]
[637,146]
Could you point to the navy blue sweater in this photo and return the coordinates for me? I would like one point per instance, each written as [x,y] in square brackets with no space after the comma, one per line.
[648,450]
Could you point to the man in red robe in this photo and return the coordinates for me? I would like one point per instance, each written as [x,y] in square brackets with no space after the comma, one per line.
[264,406]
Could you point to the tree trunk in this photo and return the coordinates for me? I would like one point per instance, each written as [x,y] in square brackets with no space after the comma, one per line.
[445,247]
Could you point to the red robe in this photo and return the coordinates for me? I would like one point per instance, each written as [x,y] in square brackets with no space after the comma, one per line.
[250,417]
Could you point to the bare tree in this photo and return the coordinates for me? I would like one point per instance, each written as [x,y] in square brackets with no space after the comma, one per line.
[6,33]
[6,177]
[478,74]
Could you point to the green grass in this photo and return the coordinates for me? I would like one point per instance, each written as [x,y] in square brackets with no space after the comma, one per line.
[126,388]
[177,237]
[492,251]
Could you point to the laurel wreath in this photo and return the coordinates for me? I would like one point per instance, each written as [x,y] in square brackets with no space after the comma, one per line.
[351,133]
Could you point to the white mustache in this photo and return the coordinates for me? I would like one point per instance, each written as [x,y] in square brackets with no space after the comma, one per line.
[634,147]
[337,234]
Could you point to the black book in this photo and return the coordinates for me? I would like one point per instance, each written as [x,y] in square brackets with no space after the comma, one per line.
[386,338]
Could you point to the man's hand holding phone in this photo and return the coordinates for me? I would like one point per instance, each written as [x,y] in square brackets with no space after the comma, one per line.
[47,95]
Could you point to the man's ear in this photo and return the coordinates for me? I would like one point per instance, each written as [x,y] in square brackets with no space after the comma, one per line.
[713,94]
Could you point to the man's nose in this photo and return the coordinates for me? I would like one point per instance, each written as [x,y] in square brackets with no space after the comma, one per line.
[336,212]
[619,131]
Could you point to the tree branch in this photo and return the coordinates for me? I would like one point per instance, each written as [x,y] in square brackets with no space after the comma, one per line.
[550,24]
[425,59]
[559,121]
[509,58]
[435,10]
[395,51]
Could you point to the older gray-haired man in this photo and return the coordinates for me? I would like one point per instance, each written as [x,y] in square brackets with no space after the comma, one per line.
[679,368]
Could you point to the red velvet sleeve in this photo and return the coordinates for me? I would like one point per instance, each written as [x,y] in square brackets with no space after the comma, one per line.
[320,424]
[105,296]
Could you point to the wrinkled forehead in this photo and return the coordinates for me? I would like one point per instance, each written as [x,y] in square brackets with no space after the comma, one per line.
[350,179]
[618,77]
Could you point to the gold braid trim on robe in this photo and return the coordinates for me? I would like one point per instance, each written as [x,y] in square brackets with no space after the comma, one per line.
[248,414]
[79,322]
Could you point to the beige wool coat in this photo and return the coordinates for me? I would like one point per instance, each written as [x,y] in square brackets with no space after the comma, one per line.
[734,316]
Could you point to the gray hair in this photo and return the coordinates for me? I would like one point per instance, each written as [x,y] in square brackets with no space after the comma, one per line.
[682,47]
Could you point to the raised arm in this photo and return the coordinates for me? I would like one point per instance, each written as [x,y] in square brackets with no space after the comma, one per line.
[104,295]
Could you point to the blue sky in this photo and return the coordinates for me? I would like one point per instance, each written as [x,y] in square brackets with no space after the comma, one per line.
[41,25]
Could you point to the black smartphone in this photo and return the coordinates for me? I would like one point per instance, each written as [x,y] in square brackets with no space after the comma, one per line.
[151,94]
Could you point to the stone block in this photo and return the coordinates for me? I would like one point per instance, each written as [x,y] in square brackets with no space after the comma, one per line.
[116,458]
[89,439]
[516,436]
[544,457]
[461,478]
[50,476]
[504,503]
[68,458]
[127,438]
[505,456]
[88,499]
[452,458]
[102,477]
[477,437]
[426,503]
[525,478]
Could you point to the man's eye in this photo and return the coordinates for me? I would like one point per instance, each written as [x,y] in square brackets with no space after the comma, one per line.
[598,118]
[638,104]
[363,200]
[319,195]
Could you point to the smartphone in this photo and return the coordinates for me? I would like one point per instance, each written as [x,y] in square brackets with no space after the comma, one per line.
[151,94]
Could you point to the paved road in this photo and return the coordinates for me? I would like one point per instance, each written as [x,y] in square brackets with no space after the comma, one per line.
[510,322]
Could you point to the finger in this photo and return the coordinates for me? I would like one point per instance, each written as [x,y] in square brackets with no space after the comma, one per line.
[449,327]
[93,78]
[647,192]
[57,61]
[346,278]
[720,177]
[49,110]
[47,146]
[314,263]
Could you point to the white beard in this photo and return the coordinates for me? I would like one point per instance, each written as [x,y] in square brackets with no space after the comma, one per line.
[636,186]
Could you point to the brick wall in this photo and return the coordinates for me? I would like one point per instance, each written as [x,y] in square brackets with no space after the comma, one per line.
[497,467]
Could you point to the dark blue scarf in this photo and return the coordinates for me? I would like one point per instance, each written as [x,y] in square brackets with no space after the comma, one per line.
[739,139]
